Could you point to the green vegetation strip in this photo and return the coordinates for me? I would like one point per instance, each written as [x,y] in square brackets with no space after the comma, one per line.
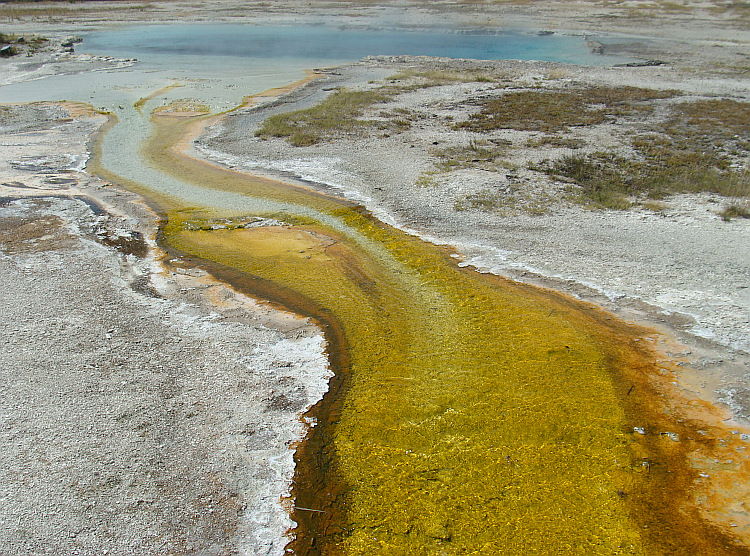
[338,114]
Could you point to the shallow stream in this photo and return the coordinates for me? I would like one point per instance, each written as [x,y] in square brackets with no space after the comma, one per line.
[471,415]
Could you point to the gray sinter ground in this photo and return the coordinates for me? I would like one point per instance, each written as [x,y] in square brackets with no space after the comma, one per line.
[142,411]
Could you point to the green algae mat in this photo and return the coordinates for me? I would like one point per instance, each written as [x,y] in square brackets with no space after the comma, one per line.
[469,414]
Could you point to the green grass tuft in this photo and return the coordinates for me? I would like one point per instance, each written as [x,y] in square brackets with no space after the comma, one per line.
[601,182]
[337,115]
[735,211]
[411,80]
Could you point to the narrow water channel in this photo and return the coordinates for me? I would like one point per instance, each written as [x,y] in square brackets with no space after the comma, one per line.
[469,414]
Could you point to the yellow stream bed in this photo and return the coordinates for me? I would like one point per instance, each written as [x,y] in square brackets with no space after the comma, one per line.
[475,416]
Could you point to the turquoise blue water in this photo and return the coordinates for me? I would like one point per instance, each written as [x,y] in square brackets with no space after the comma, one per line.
[221,63]
[317,43]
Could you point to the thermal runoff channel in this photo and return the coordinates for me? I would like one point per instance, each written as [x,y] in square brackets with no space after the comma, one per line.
[469,414]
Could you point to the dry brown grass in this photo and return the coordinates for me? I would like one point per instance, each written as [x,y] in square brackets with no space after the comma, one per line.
[702,146]
[552,111]
[735,210]
[67,9]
